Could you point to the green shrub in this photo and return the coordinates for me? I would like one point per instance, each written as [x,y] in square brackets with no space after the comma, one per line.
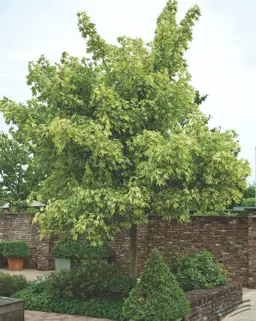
[38,297]
[94,280]
[76,249]
[2,244]
[198,271]
[10,284]
[16,249]
[157,297]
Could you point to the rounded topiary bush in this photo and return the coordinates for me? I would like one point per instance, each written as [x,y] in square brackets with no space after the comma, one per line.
[158,296]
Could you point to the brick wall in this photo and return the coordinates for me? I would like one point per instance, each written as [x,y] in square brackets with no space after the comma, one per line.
[232,241]
[19,227]
[251,252]
[226,238]
[207,304]
[121,247]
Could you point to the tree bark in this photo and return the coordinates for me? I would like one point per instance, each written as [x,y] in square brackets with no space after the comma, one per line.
[133,251]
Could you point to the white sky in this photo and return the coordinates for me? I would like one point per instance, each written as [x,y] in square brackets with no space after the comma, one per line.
[222,56]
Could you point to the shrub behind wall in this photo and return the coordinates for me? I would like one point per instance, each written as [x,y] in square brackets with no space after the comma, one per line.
[197,270]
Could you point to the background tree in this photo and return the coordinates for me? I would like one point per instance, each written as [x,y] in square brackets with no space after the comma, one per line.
[119,135]
[250,191]
[16,177]
[248,198]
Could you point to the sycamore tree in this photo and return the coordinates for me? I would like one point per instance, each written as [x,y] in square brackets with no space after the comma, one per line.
[119,135]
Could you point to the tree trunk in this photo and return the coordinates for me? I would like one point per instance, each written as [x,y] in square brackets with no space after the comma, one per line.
[133,251]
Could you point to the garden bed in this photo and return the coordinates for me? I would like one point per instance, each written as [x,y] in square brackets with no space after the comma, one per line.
[206,304]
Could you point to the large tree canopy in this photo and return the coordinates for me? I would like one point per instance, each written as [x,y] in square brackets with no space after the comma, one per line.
[119,134]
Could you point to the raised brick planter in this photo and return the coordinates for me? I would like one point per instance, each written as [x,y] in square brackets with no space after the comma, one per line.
[11,309]
[206,304]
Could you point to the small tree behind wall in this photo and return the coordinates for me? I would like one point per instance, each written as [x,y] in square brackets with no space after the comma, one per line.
[119,135]
[17,177]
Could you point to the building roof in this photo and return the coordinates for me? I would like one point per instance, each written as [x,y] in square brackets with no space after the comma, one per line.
[33,204]
[238,208]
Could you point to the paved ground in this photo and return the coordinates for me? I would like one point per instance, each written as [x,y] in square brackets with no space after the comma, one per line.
[241,314]
[41,316]
[30,274]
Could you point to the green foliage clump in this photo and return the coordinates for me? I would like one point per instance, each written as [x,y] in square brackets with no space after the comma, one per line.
[94,280]
[198,271]
[10,284]
[24,210]
[157,296]
[75,250]
[16,249]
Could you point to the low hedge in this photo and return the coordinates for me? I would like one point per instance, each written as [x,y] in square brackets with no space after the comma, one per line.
[16,249]
[45,302]
[10,284]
